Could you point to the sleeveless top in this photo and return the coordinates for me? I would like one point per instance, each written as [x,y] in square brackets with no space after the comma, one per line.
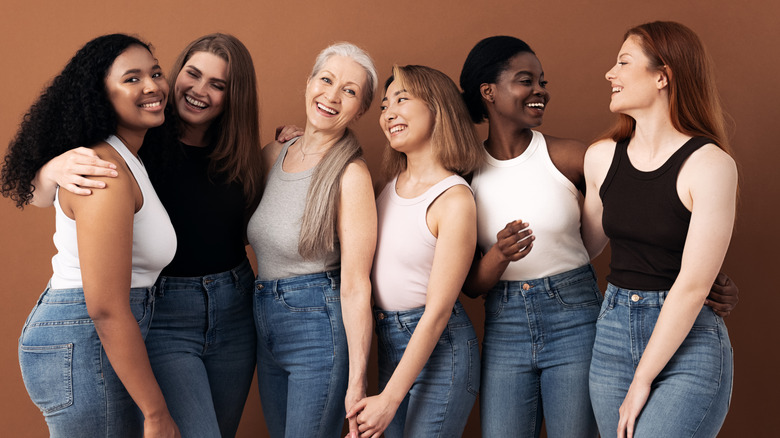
[645,220]
[207,213]
[275,227]
[531,188]
[405,246]
[154,241]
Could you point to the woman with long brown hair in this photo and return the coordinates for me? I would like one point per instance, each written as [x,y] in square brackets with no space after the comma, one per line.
[662,189]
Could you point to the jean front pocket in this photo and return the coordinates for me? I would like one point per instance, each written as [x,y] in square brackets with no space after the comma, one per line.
[47,375]
[310,299]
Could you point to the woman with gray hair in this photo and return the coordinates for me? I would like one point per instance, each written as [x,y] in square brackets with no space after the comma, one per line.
[314,234]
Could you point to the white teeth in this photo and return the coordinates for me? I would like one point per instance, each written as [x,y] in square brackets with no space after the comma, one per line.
[326,109]
[535,105]
[194,102]
[616,89]
[397,128]
[151,105]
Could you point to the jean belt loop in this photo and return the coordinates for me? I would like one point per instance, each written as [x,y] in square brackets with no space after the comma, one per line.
[332,277]
[505,294]
[159,286]
[235,276]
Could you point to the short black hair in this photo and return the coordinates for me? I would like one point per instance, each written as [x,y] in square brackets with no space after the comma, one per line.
[486,61]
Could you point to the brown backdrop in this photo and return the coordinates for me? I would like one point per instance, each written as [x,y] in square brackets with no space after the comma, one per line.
[576,42]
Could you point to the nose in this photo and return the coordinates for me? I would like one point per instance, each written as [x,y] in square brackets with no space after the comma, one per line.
[150,86]
[198,88]
[610,74]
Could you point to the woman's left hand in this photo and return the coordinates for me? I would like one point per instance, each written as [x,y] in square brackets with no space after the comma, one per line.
[353,396]
[373,415]
[632,405]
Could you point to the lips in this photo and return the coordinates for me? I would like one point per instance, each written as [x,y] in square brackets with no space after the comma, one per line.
[191,101]
[396,129]
[326,109]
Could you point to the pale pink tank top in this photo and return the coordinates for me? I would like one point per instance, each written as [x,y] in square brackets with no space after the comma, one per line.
[405,246]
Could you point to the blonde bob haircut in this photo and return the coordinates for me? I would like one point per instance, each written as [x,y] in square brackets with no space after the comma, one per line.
[454,139]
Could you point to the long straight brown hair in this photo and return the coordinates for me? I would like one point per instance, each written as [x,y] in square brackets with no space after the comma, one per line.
[694,103]
[236,131]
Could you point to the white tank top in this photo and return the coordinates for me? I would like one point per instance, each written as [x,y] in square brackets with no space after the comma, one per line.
[531,188]
[154,240]
[405,246]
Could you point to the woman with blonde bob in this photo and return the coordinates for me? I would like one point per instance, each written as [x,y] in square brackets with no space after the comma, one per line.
[314,234]
[428,353]
[661,187]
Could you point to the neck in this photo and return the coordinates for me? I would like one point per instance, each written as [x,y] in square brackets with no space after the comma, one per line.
[654,131]
[505,142]
[316,141]
[132,139]
[193,135]
[422,168]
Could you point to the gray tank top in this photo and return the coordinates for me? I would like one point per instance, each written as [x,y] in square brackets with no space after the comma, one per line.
[275,226]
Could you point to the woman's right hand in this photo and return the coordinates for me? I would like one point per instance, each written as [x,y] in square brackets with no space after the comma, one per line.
[161,427]
[515,241]
[71,169]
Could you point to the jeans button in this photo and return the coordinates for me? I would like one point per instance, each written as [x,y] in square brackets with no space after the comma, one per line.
[381,316]
[635,298]
[526,286]
[260,287]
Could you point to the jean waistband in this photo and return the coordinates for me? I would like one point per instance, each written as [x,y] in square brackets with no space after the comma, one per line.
[243,269]
[385,317]
[546,284]
[300,281]
[76,295]
[621,296]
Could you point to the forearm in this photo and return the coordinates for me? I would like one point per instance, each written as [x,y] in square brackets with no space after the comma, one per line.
[417,352]
[45,187]
[124,345]
[356,314]
[485,273]
[680,309]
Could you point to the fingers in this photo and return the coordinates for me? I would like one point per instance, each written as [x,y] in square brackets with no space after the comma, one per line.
[515,240]
[287,132]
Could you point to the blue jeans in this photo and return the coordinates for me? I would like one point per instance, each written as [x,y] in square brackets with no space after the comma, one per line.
[302,361]
[66,371]
[201,346]
[536,354]
[441,398]
[691,395]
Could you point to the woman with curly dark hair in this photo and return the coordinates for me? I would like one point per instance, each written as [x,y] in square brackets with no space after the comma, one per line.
[205,164]
[82,350]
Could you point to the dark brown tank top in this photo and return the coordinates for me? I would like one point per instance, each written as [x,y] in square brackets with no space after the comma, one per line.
[645,220]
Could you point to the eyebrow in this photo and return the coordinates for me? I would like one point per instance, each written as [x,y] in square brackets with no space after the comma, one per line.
[395,94]
[135,71]
[224,81]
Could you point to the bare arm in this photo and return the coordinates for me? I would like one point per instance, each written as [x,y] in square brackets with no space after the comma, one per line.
[69,171]
[513,243]
[452,218]
[597,161]
[357,235]
[710,177]
[107,216]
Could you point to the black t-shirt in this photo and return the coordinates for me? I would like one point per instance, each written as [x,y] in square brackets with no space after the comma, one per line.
[207,214]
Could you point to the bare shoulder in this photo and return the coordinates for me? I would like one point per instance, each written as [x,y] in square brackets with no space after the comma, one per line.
[271,152]
[565,144]
[568,156]
[709,163]
[356,177]
[456,198]
[118,193]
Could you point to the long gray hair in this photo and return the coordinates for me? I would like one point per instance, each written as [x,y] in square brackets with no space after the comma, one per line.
[320,218]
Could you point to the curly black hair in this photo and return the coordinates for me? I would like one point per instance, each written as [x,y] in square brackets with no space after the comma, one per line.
[73,111]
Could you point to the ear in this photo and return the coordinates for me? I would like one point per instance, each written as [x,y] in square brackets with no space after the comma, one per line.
[663,77]
[488,92]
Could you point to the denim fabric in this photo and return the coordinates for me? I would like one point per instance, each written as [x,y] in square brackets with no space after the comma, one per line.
[302,361]
[440,400]
[66,371]
[201,346]
[691,395]
[536,355]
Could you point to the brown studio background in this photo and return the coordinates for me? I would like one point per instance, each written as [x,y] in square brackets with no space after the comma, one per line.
[577,43]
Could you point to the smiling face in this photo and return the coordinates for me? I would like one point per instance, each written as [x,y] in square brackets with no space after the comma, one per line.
[137,90]
[334,94]
[406,120]
[635,84]
[200,89]
[519,95]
